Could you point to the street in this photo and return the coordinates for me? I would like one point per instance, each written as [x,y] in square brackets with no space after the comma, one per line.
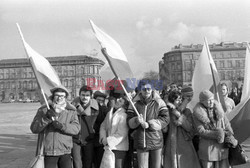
[17,143]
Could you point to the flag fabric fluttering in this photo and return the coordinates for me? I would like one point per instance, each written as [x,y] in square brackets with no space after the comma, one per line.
[240,116]
[205,77]
[45,74]
[113,53]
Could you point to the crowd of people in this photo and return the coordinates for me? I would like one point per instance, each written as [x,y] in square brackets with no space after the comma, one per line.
[157,130]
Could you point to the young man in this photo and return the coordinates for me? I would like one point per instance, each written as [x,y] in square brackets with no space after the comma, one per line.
[83,146]
[230,105]
[154,116]
[103,110]
[58,124]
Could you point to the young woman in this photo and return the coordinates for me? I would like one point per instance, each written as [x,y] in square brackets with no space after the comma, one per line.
[114,131]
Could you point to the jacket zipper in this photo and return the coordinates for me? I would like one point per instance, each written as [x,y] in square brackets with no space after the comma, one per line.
[144,131]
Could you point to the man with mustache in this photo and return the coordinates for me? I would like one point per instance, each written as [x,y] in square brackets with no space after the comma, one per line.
[87,111]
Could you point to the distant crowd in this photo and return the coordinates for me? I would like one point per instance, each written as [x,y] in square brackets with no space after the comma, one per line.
[156,130]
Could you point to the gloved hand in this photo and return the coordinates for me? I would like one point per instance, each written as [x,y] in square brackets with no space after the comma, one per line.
[139,119]
[57,125]
[230,141]
[79,108]
[144,125]
[51,114]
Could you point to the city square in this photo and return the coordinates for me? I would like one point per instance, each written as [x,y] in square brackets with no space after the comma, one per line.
[125,84]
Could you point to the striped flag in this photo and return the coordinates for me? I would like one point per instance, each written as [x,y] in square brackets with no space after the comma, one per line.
[45,74]
[206,77]
[240,115]
[113,53]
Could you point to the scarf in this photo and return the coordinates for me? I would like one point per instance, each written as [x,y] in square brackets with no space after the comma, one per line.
[59,107]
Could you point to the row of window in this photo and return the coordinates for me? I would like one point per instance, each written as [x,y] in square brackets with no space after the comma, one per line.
[190,64]
[215,55]
[62,71]
[224,75]
[18,85]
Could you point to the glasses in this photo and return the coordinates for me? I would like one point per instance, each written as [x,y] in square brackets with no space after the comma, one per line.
[146,89]
[60,96]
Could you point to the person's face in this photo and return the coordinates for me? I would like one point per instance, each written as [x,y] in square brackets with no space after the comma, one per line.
[59,97]
[209,103]
[177,101]
[173,87]
[146,91]
[85,97]
[119,103]
[188,97]
[224,90]
[100,100]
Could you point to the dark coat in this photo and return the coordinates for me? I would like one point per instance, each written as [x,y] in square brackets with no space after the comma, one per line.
[87,118]
[179,151]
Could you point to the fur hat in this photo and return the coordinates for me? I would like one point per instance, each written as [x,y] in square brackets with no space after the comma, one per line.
[99,94]
[187,90]
[205,95]
[59,87]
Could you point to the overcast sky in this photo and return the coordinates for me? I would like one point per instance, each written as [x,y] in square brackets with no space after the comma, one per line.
[145,29]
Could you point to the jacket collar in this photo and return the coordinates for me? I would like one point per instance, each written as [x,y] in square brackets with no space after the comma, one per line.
[154,94]
[200,112]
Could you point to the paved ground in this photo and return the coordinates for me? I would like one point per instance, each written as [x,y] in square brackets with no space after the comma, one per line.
[17,143]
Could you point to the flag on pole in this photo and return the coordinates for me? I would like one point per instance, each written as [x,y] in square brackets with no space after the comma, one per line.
[240,115]
[113,53]
[45,74]
[206,77]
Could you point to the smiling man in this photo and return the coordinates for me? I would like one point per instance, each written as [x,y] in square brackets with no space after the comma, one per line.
[59,124]
[83,146]
[154,116]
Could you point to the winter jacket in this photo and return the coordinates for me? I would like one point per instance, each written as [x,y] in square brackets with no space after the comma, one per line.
[155,113]
[179,151]
[211,131]
[115,129]
[57,142]
[87,118]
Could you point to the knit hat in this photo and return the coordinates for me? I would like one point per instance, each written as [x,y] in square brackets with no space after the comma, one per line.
[187,90]
[99,94]
[205,95]
[60,87]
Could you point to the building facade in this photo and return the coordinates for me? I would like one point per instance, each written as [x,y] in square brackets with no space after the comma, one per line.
[178,64]
[17,80]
